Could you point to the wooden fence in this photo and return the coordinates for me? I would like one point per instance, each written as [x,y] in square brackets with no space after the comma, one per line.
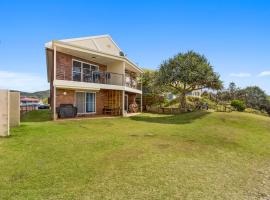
[166,110]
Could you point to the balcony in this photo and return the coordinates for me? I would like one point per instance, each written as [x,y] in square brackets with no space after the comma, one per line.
[132,82]
[99,77]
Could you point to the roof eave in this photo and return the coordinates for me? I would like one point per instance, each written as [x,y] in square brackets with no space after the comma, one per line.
[54,42]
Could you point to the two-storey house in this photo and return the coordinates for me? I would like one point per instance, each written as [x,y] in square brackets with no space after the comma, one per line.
[94,75]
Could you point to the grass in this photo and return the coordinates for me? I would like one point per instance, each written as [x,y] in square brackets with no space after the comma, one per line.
[36,116]
[199,155]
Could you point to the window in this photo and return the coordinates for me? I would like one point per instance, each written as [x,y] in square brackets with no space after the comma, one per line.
[87,75]
[86,102]
[76,71]
[82,71]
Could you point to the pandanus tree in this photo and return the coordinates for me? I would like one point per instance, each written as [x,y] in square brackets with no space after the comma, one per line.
[149,87]
[187,72]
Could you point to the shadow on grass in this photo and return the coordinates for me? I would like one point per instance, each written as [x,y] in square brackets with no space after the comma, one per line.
[183,118]
[36,116]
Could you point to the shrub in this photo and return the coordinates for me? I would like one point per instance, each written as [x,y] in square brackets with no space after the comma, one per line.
[193,99]
[268,110]
[254,111]
[238,105]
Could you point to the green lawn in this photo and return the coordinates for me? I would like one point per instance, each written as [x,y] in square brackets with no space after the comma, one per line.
[198,155]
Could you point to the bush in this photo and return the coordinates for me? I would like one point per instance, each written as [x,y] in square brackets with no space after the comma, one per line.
[238,105]
[193,99]
[254,111]
[268,110]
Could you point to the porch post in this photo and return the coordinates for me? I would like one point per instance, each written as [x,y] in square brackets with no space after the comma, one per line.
[54,78]
[123,92]
[141,97]
[123,102]
[141,103]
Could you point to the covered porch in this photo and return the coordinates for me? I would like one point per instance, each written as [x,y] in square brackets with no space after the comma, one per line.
[96,103]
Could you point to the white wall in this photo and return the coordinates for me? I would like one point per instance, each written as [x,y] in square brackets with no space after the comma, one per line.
[103,44]
[106,45]
[14,109]
[9,111]
[88,43]
[4,110]
[118,68]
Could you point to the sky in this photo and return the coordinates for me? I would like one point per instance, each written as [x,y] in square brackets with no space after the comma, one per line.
[234,35]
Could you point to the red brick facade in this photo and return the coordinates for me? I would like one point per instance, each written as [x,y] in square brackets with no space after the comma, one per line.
[63,66]
[100,96]
[64,96]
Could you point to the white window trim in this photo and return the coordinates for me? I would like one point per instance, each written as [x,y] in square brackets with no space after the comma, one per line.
[82,62]
[85,92]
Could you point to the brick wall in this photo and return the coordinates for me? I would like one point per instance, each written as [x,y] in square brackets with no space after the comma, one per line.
[64,96]
[100,96]
[63,66]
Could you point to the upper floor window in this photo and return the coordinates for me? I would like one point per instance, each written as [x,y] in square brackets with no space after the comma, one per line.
[82,71]
[77,70]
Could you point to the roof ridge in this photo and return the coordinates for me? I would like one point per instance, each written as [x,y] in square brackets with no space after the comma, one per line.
[85,38]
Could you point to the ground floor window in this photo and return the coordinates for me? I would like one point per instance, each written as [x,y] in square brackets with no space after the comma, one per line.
[86,102]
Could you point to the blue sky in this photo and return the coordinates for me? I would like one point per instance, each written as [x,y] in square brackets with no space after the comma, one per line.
[234,35]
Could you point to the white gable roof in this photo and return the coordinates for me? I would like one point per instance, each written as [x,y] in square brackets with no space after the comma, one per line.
[102,43]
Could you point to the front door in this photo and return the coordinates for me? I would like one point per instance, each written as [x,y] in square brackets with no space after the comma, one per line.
[126,102]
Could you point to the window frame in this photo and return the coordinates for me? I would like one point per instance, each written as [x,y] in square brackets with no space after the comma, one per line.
[95,104]
[82,62]
[72,70]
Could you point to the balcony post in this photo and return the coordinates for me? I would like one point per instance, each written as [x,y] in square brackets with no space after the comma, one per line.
[124,74]
[54,78]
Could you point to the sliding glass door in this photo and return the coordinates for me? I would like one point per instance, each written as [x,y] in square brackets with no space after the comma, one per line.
[80,102]
[90,102]
[86,102]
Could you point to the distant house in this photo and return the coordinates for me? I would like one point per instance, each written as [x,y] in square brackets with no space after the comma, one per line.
[28,103]
[93,75]
[195,93]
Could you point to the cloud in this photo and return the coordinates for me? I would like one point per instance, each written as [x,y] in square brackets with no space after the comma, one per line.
[28,82]
[265,73]
[240,75]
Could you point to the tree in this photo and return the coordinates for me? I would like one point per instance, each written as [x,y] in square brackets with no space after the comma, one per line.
[238,105]
[148,82]
[255,97]
[232,89]
[152,93]
[187,72]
